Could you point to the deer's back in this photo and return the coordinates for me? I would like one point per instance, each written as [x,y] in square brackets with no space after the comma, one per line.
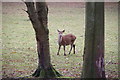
[68,39]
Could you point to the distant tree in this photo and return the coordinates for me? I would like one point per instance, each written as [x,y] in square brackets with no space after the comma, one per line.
[38,15]
[93,58]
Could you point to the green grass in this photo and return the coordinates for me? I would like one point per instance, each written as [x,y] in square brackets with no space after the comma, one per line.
[19,44]
[111,40]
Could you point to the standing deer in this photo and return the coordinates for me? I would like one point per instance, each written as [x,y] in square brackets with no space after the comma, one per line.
[64,40]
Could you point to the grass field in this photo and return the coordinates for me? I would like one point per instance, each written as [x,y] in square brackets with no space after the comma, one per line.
[19,45]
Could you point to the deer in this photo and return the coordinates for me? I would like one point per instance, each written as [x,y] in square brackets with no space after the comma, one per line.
[64,40]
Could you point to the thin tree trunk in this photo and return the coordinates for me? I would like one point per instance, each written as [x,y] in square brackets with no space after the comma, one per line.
[119,39]
[93,65]
[38,17]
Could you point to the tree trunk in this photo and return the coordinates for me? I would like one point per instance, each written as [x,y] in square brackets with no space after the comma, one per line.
[119,39]
[38,16]
[93,58]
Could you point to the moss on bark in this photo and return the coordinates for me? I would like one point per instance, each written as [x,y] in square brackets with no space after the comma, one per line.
[46,73]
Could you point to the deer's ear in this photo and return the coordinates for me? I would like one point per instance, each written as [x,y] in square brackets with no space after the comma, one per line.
[63,31]
[58,30]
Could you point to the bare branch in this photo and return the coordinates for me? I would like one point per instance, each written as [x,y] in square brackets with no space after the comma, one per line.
[33,16]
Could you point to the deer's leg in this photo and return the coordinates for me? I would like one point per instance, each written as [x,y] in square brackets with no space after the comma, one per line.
[64,51]
[58,49]
[70,48]
[74,48]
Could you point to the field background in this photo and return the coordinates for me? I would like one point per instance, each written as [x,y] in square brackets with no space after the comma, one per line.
[19,45]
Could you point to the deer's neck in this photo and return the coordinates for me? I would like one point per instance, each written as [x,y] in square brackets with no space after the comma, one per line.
[59,39]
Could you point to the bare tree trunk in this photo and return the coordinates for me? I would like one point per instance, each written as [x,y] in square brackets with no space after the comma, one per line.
[119,39]
[38,16]
[93,65]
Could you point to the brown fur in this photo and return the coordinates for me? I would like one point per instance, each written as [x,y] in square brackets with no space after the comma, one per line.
[64,40]
[67,39]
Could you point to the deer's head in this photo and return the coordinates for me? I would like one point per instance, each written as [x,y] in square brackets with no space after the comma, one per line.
[60,32]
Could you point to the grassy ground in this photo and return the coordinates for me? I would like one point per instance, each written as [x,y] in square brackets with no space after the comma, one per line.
[19,45]
[111,40]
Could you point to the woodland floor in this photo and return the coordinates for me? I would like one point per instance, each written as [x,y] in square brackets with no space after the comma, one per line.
[19,45]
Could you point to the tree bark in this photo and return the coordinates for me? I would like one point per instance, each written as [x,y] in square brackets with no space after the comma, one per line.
[118,39]
[38,15]
[93,57]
